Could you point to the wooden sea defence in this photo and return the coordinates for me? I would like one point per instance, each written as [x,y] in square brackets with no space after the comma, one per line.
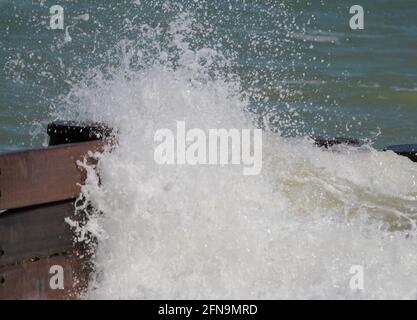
[38,189]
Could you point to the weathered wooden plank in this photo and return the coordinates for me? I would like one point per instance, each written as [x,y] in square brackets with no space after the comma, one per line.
[43,175]
[31,279]
[63,132]
[35,232]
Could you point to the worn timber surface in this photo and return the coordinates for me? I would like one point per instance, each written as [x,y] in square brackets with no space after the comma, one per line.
[32,279]
[35,232]
[43,175]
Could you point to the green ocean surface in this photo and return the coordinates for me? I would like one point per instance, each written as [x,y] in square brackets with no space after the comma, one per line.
[298,59]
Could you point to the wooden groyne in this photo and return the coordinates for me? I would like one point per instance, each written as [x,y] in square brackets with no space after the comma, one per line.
[38,189]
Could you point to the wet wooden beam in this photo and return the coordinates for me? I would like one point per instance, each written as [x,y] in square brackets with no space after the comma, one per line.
[44,175]
[38,188]
[35,232]
[31,279]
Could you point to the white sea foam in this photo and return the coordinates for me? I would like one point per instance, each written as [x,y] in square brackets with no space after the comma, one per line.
[294,231]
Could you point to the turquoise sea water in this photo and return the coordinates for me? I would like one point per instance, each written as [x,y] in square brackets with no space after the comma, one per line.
[209,232]
[297,59]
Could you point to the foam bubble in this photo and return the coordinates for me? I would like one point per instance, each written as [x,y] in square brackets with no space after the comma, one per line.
[294,231]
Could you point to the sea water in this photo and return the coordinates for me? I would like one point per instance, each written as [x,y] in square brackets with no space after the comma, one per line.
[292,68]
